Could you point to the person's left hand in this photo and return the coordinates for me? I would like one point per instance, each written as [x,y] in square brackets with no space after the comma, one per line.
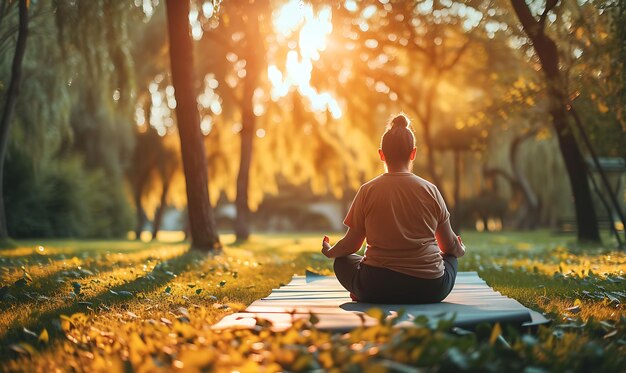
[326,247]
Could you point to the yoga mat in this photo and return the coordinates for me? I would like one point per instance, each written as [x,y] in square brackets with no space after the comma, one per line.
[471,302]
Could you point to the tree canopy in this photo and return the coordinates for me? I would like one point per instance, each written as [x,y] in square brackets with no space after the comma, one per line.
[293,93]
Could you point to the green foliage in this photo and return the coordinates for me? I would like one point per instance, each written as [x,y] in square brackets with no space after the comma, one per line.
[74,115]
[61,199]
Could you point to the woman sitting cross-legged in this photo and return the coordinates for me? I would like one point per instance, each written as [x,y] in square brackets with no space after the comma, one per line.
[411,254]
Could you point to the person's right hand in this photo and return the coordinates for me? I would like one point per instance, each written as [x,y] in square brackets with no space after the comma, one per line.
[326,246]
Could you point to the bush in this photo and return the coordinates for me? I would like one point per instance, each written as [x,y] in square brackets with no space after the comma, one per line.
[62,199]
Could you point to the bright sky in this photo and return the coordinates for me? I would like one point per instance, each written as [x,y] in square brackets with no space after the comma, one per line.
[313,29]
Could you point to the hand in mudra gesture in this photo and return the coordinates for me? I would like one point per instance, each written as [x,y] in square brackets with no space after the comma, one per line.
[326,246]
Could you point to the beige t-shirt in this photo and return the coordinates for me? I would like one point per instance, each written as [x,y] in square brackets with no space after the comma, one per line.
[398,213]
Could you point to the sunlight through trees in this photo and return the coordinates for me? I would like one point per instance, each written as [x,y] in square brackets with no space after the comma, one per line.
[293,95]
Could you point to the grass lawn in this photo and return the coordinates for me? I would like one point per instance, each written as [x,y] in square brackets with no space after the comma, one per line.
[126,305]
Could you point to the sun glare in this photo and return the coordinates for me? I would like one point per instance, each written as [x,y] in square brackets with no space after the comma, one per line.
[313,29]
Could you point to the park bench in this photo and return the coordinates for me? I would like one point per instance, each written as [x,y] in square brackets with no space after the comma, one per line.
[569,225]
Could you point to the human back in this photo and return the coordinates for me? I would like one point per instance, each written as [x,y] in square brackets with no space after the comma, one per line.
[399,213]
[412,251]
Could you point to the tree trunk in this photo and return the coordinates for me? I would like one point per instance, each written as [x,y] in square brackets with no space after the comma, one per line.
[586,218]
[527,216]
[456,222]
[426,121]
[607,185]
[255,56]
[9,106]
[547,52]
[530,217]
[140,215]
[201,217]
[158,215]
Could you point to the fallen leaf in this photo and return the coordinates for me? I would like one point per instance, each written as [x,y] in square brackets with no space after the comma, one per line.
[183,311]
[376,313]
[43,337]
[23,348]
[495,333]
[30,332]
[313,319]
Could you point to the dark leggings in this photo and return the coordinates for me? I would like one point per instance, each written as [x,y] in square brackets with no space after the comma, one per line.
[381,285]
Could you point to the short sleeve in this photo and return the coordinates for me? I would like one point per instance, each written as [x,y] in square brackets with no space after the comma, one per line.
[443,209]
[355,219]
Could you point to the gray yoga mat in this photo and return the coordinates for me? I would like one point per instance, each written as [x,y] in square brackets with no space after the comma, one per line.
[471,302]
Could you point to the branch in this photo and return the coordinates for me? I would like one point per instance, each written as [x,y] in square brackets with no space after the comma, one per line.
[532,27]
[550,4]
[411,29]
[457,57]
[493,172]
[522,181]
[390,80]
[3,8]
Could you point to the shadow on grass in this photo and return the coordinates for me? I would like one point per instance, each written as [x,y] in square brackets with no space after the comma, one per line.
[536,290]
[7,243]
[68,250]
[47,285]
[161,275]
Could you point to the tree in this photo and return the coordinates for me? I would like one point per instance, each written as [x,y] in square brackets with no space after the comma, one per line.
[422,45]
[168,167]
[242,33]
[528,215]
[255,65]
[9,105]
[201,217]
[546,50]
[144,163]
[458,141]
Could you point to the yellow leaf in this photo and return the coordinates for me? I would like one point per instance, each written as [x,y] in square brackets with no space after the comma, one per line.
[326,359]
[495,333]
[602,107]
[66,323]
[301,363]
[43,337]
[376,313]
[578,302]
[579,33]
[196,359]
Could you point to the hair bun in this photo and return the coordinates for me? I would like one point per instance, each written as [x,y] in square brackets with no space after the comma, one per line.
[400,121]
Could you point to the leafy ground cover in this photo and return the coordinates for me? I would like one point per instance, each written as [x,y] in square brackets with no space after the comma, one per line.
[134,306]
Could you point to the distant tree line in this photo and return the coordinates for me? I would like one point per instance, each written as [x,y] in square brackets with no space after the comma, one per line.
[124,110]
